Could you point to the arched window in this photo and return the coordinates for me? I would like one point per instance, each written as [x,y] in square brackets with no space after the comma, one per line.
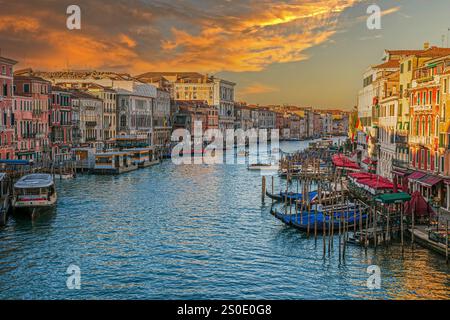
[429,126]
[436,127]
[123,121]
[416,126]
[422,126]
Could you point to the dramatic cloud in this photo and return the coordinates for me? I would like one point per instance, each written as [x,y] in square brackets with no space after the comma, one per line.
[137,36]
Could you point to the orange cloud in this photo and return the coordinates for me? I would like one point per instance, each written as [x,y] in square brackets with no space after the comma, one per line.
[138,36]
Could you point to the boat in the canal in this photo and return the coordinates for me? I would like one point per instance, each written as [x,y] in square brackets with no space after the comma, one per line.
[115,162]
[33,193]
[302,220]
[143,157]
[290,196]
[5,199]
[263,166]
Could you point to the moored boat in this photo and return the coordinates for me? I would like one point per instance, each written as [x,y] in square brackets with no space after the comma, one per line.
[302,220]
[34,192]
[263,166]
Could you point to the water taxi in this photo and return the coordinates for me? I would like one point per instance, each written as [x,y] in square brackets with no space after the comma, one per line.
[115,162]
[34,191]
[143,157]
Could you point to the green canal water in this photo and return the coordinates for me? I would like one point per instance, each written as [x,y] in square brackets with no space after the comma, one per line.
[192,232]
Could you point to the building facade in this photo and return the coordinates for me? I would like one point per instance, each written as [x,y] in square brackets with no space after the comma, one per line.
[7,147]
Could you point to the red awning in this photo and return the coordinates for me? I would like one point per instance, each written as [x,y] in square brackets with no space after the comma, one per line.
[342,161]
[416,175]
[360,175]
[429,180]
[369,161]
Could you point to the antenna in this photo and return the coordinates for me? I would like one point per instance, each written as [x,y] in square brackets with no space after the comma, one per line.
[448,30]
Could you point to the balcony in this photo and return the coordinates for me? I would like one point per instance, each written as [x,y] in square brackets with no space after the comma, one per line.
[91,123]
[419,108]
[424,141]
[400,163]
[401,139]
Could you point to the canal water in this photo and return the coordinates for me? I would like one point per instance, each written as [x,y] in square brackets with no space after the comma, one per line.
[192,232]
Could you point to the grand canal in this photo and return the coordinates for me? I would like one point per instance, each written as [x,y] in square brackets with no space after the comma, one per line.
[192,232]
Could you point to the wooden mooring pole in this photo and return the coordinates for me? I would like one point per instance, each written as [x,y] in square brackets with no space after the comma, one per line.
[263,191]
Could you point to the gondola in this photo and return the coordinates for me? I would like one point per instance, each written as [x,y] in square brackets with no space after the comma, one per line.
[291,196]
[300,221]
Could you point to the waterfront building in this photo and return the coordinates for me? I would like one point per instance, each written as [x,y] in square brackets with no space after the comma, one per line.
[386,117]
[162,123]
[134,98]
[317,124]
[23,118]
[294,126]
[327,122]
[263,117]
[109,99]
[193,86]
[243,116]
[6,108]
[87,118]
[424,136]
[60,118]
[193,111]
[39,90]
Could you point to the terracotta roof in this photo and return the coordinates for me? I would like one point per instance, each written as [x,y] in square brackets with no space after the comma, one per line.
[83,95]
[25,78]
[388,65]
[403,52]
[8,61]
[434,52]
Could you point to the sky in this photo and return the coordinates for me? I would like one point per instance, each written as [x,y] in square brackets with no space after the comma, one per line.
[297,52]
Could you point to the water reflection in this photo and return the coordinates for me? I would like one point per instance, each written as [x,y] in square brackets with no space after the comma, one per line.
[192,232]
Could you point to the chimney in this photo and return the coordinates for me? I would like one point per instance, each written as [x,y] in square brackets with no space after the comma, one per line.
[426,45]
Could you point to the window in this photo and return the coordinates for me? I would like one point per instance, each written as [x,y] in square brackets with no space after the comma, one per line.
[409,65]
[3,70]
[5,89]
[445,85]
[424,101]
[438,97]
[26,87]
[402,67]
[430,97]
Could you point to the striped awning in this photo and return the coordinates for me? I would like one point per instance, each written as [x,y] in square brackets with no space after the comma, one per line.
[429,180]
[416,175]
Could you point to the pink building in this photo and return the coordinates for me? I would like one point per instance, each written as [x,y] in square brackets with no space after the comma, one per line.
[60,124]
[23,116]
[38,90]
[6,109]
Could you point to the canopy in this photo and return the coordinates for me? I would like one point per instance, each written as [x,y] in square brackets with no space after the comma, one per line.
[429,180]
[369,161]
[15,162]
[419,205]
[339,160]
[389,198]
[416,175]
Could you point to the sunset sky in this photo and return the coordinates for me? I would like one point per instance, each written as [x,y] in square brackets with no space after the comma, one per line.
[303,52]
